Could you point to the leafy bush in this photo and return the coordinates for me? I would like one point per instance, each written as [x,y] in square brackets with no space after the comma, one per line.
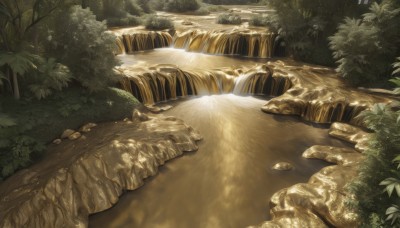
[365,48]
[379,208]
[229,18]
[181,5]
[84,45]
[127,21]
[230,2]
[305,25]
[258,20]
[27,125]
[158,23]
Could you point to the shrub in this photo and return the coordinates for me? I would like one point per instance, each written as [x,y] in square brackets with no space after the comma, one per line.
[379,170]
[366,48]
[305,25]
[258,20]
[128,21]
[181,5]
[84,45]
[27,125]
[230,2]
[158,23]
[229,18]
[202,11]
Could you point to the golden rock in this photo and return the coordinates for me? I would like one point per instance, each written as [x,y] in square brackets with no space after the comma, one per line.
[74,136]
[67,133]
[282,166]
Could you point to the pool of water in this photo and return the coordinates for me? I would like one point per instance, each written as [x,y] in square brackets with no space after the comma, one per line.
[186,60]
[228,182]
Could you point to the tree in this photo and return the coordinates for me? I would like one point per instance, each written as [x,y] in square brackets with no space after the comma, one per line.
[380,168]
[84,45]
[305,25]
[17,19]
[365,48]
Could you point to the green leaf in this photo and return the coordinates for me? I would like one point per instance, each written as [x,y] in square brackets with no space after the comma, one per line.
[19,62]
[391,184]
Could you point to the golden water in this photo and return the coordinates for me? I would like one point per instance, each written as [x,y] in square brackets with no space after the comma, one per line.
[166,82]
[142,40]
[228,182]
[244,43]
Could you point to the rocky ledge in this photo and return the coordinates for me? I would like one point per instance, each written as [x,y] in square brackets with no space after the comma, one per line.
[87,175]
[321,201]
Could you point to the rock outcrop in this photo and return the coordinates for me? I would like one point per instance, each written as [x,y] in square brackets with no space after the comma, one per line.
[321,201]
[81,177]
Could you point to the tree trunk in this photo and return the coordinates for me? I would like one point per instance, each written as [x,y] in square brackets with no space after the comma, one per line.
[16,87]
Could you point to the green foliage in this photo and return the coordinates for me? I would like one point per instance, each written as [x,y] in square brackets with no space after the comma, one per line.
[181,5]
[18,62]
[258,20]
[366,48]
[35,123]
[229,18]
[305,25]
[230,2]
[158,23]
[48,77]
[396,67]
[127,21]
[379,168]
[84,45]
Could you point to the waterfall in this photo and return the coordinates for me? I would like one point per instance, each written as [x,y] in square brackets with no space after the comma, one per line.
[166,82]
[244,43]
[260,80]
[142,40]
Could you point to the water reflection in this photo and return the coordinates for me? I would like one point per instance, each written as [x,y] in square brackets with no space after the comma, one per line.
[228,182]
[186,60]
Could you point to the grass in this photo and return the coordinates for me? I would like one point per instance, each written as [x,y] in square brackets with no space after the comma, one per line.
[39,122]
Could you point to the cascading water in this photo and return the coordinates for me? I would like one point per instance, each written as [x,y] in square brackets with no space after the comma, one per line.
[244,43]
[142,40]
[165,82]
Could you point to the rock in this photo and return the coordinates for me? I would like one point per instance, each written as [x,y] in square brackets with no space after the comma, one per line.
[87,127]
[282,166]
[75,136]
[136,115]
[126,119]
[186,22]
[82,137]
[74,181]
[158,109]
[57,141]
[67,133]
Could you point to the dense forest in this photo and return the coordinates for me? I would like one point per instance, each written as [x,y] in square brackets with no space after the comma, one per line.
[57,71]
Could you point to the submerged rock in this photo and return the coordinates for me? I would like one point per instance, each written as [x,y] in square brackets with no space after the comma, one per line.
[82,177]
[282,166]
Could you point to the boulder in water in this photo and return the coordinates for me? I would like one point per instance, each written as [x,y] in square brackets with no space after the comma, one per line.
[282,166]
